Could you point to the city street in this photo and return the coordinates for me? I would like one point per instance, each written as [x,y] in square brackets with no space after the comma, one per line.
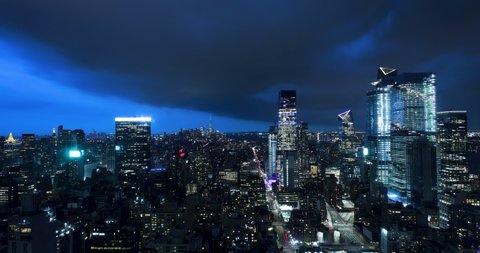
[273,206]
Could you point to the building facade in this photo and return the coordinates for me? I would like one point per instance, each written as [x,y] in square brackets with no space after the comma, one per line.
[453,173]
[404,106]
[132,145]
[452,139]
[272,151]
[286,162]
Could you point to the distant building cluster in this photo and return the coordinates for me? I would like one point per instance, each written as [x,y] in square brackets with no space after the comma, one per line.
[409,183]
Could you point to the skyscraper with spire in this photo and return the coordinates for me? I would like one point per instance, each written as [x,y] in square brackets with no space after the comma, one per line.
[12,152]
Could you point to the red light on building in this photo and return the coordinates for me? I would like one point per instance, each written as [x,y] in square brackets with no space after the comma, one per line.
[181,153]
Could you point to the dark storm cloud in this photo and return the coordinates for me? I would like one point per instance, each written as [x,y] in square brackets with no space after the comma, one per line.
[226,57]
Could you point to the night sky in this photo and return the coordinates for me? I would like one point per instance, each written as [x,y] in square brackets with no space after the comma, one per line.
[81,63]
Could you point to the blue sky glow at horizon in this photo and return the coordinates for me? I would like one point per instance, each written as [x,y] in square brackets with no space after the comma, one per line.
[32,95]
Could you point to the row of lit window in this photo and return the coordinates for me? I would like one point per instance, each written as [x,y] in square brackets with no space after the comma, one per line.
[110,248]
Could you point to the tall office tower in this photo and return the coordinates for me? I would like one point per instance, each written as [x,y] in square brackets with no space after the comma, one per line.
[413,103]
[28,150]
[303,154]
[287,116]
[132,145]
[287,164]
[347,131]
[348,145]
[452,140]
[413,131]
[272,151]
[46,153]
[453,172]
[403,102]
[414,168]
[378,126]
[67,142]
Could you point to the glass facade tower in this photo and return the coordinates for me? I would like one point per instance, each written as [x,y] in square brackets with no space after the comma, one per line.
[404,106]
[272,151]
[132,145]
[286,162]
[378,125]
[287,116]
[414,168]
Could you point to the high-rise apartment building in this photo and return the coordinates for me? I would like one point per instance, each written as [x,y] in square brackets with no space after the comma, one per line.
[132,145]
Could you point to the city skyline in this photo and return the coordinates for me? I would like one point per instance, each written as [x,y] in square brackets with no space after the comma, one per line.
[239,126]
[74,65]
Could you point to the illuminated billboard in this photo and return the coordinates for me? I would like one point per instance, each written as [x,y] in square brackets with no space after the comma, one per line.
[74,153]
[365,151]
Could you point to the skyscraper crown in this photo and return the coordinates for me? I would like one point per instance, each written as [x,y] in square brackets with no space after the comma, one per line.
[384,71]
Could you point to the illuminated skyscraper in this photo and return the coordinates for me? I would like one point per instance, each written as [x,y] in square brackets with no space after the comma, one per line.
[413,147]
[12,153]
[287,116]
[452,138]
[378,125]
[413,103]
[453,172]
[347,129]
[349,143]
[402,103]
[28,150]
[272,151]
[287,157]
[132,145]
[413,176]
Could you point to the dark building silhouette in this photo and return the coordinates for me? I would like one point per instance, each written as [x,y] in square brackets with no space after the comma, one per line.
[132,145]
[453,171]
